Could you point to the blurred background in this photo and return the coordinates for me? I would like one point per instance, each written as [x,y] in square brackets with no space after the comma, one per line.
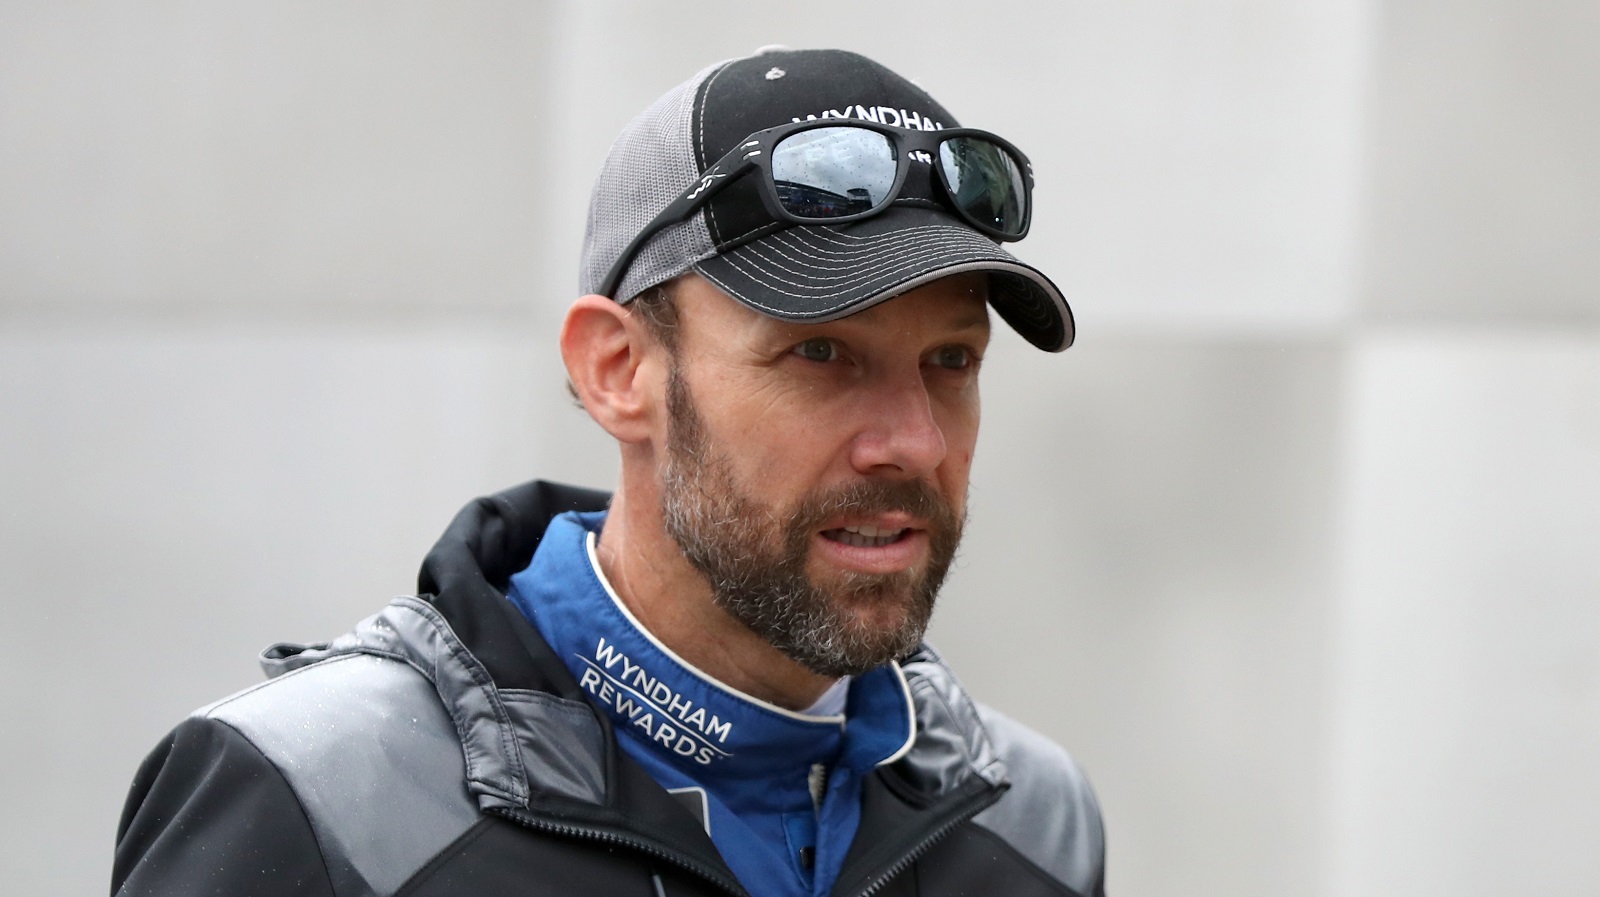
[1298,550]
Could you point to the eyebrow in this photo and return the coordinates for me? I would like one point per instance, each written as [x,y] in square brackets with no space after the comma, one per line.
[975,319]
[979,318]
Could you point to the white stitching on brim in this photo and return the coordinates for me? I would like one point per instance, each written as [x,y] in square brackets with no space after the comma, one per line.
[872,255]
[850,306]
[780,261]
[764,261]
[885,268]
[871,247]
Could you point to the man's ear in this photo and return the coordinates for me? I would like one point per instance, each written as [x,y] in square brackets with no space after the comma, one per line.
[614,366]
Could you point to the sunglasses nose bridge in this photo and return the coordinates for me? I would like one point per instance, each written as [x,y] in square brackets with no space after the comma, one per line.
[918,176]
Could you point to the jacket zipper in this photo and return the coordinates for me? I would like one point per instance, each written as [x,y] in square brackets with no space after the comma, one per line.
[604,836]
[981,803]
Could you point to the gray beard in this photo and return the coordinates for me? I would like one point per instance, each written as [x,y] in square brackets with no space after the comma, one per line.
[754,557]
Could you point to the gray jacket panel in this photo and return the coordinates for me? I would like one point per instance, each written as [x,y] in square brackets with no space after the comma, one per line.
[356,765]
[1050,815]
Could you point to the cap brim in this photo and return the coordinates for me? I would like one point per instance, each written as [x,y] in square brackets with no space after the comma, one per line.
[815,273]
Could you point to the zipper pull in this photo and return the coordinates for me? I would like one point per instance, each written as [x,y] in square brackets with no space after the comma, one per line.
[817,781]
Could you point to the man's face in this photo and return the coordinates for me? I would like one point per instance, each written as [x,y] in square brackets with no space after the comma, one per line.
[817,474]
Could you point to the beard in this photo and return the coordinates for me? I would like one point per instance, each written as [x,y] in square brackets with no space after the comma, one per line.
[754,556]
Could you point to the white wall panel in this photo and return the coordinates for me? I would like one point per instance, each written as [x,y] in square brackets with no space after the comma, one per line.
[1484,187]
[1468,661]
[206,158]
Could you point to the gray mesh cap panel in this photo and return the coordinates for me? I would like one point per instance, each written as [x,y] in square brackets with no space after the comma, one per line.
[650,163]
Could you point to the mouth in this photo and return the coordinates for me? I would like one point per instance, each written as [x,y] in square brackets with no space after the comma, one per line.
[880,547]
[865,535]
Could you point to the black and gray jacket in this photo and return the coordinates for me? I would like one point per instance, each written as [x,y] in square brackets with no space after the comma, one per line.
[442,748]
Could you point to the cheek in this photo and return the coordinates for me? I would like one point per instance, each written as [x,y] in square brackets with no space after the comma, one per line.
[961,430]
[773,443]
[961,441]
[778,421]
[960,469]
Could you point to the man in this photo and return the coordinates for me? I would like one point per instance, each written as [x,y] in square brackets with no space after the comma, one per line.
[712,681]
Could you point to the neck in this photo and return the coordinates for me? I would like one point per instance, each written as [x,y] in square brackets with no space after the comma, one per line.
[672,600]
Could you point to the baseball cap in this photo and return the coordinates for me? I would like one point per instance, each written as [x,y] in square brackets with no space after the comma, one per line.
[803,273]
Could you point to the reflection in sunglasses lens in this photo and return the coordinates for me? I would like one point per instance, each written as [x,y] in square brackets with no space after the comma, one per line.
[985,182]
[827,173]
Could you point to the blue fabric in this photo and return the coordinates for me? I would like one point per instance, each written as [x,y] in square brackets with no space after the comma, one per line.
[752,761]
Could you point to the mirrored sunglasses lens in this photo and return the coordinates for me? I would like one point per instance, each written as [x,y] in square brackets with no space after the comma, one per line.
[827,173]
[985,182]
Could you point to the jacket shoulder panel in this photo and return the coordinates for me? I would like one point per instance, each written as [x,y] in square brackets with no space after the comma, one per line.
[372,756]
[1050,814]
[207,814]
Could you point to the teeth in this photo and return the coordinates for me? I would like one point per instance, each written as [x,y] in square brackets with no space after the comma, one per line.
[865,536]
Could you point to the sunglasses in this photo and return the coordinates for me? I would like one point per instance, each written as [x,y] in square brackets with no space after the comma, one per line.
[825,172]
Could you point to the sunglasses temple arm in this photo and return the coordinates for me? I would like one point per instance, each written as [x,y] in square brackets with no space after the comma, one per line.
[708,185]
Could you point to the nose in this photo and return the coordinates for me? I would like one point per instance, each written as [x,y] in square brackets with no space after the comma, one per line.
[899,435]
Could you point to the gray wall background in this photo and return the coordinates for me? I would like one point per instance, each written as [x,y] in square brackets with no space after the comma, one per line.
[1296,550]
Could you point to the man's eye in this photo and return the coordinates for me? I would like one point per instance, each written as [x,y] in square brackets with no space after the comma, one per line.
[818,350]
[952,357]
